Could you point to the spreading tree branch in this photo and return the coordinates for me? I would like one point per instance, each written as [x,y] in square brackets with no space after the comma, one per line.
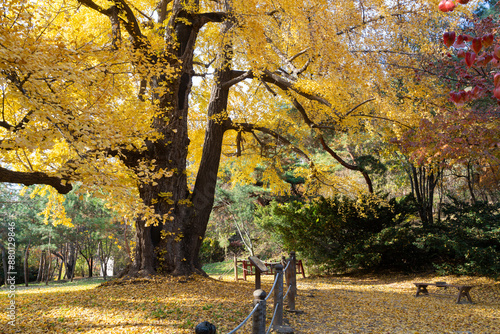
[31,178]
[327,148]
[248,127]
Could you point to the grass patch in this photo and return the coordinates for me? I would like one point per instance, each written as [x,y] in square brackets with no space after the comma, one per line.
[225,268]
[63,285]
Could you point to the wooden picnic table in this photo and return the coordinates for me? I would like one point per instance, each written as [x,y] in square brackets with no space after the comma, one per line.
[463,290]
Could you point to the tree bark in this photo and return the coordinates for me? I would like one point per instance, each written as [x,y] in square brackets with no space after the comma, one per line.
[49,268]
[30,178]
[72,257]
[90,264]
[49,260]
[425,180]
[4,264]
[26,256]
[40,267]
[173,244]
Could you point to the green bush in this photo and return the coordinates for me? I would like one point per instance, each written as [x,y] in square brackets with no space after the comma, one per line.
[341,233]
[467,240]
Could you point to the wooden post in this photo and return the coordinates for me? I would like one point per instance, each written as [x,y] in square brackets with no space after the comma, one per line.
[235,259]
[292,283]
[257,278]
[278,296]
[260,267]
[259,317]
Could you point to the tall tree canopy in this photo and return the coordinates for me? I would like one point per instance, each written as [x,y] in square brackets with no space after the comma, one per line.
[142,98]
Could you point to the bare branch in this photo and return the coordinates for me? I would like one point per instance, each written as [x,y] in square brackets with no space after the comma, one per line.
[213,17]
[92,5]
[163,10]
[234,81]
[334,155]
[298,54]
[287,85]
[247,127]
[385,119]
[347,165]
[375,19]
[359,105]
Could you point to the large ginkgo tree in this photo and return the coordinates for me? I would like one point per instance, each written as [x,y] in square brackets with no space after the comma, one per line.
[141,99]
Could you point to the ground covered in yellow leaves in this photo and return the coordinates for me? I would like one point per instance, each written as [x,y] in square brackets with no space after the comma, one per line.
[327,305]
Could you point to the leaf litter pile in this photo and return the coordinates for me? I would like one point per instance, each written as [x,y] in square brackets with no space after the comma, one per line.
[325,305]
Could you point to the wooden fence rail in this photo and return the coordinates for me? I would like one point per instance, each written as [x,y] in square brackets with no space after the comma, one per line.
[249,268]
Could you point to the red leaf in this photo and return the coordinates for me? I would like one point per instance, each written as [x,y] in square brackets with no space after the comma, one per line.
[470,58]
[449,38]
[496,92]
[487,40]
[477,45]
[442,6]
[450,5]
[459,43]
[496,79]
[496,53]
[476,92]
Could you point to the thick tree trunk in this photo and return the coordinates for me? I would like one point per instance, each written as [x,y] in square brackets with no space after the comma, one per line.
[173,247]
[170,242]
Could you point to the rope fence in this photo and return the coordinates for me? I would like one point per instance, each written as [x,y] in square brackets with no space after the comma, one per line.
[258,314]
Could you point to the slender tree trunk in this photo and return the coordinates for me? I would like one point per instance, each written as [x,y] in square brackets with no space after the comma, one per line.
[49,267]
[49,260]
[125,241]
[425,180]
[55,268]
[26,256]
[59,275]
[4,264]
[71,253]
[40,267]
[470,182]
[65,254]
[74,258]
[90,264]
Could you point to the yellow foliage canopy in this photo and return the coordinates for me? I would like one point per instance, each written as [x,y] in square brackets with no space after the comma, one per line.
[143,98]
